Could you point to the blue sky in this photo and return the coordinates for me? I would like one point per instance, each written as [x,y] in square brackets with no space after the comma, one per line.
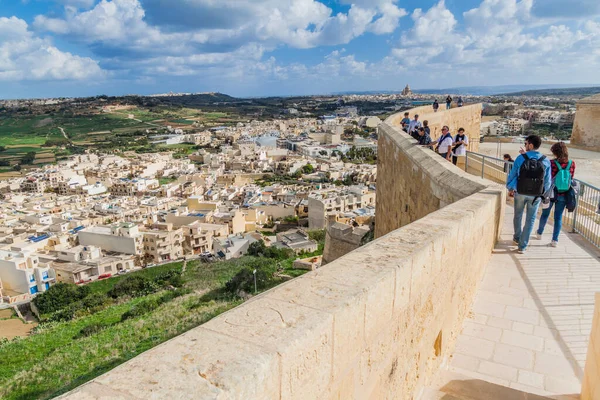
[51,48]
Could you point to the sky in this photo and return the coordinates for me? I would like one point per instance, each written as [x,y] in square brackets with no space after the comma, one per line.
[64,48]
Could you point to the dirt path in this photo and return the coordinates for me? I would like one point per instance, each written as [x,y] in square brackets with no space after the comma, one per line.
[14,327]
[64,133]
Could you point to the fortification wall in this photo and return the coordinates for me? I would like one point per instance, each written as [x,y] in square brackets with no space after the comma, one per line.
[591,380]
[586,129]
[341,239]
[468,117]
[373,324]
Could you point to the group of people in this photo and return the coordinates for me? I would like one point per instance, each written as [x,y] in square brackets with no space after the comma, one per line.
[535,180]
[459,102]
[446,146]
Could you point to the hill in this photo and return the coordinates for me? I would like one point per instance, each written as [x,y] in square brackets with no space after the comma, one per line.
[506,90]
[579,91]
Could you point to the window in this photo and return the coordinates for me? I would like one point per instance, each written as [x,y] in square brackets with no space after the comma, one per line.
[31,278]
[107,269]
[33,290]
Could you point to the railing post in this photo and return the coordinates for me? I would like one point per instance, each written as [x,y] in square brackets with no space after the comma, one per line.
[581,185]
[467,162]
[483,166]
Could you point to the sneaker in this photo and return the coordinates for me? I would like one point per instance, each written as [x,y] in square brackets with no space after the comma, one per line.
[521,251]
[538,236]
[515,242]
[554,243]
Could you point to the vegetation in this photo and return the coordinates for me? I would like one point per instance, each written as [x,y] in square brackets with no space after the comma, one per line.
[88,330]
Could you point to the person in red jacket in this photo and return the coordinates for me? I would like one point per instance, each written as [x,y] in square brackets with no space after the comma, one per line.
[561,154]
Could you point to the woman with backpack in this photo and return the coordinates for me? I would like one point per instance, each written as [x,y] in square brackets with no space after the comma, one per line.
[563,171]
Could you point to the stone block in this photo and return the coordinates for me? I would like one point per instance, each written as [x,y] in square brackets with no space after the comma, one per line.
[199,361]
[302,336]
[347,304]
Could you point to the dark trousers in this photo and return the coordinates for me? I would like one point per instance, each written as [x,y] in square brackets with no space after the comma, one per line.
[454,160]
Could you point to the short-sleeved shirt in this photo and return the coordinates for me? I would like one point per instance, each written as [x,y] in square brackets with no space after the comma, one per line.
[414,125]
[445,144]
[405,121]
[462,149]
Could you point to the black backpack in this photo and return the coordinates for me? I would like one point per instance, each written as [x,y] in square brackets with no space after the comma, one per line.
[531,176]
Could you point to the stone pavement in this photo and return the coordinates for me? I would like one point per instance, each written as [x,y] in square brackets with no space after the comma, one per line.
[531,319]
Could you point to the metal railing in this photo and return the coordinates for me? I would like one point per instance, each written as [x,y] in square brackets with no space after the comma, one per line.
[585,220]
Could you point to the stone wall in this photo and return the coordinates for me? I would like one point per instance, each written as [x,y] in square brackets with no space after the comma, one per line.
[591,379]
[468,117]
[373,324]
[586,129]
[341,239]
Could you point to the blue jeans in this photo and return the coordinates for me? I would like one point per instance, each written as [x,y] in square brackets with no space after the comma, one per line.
[448,106]
[559,209]
[521,202]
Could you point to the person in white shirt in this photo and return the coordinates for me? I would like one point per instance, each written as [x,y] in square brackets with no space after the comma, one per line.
[461,141]
[413,128]
[444,144]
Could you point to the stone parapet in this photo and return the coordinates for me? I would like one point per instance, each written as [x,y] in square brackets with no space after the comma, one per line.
[373,324]
[468,117]
[591,379]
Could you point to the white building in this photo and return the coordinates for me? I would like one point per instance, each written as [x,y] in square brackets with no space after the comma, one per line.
[121,238]
[21,273]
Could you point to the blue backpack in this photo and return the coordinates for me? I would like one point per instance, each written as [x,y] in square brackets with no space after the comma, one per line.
[563,179]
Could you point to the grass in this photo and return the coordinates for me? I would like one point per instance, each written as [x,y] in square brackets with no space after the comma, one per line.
[58,358]
[166,180]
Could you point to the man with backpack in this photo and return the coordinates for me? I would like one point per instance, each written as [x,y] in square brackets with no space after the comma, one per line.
[528,180]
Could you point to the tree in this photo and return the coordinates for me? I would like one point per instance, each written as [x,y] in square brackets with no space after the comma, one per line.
[28,158]
[17,167]
[4,163]
[308,169]
[2,149]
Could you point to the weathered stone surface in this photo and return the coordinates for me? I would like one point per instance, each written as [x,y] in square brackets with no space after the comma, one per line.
[375,323]
[586,129]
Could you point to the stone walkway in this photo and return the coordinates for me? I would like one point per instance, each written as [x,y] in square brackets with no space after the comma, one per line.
[531,319]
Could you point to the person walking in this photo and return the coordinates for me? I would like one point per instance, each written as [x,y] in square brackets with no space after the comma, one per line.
[413,126]
[405,122]
[460,101]
[436,105]
[444,144]
[563,171]
[448,102]
[461,141]
[528,180]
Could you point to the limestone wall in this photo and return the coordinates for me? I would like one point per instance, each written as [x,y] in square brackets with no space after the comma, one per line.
[373,324]
[468,117]
[591,379]
[341,239]
[586,129]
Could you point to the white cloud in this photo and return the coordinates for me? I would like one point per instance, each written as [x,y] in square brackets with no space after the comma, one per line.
[499,35]
[24,56]
[196,24]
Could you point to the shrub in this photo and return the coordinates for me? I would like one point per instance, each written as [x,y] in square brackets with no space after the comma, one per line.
[133,285]
[59,296]
[244,279]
